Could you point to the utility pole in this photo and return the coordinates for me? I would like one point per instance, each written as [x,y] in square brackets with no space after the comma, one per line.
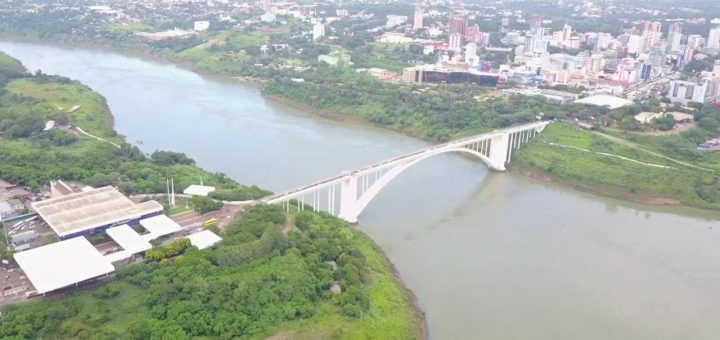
[7,239]
[172,198]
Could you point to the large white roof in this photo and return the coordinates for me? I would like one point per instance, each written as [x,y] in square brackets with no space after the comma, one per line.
[62,264]
[605,100]
[128,239]
[90,209]
[159,225]
[198,190]
[204,239]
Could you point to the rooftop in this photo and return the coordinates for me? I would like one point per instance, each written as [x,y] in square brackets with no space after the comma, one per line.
[605,100]
[128,239]
[86,210]
[204,239]
[62,264]
[198,190]
[158,226]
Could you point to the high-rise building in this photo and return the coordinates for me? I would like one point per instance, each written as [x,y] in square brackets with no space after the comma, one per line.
[457,26]
[634,44]
[593,65]
[652,26]
[455,42]
[695,41]
[673,38]
[471,54]
[566,33]
[536,28]
[651,36]
[418,19]
[318,31]
[474,35]
[713,40]
[646,72]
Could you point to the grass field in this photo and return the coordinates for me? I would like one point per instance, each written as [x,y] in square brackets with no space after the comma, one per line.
[54,97]
[612,175]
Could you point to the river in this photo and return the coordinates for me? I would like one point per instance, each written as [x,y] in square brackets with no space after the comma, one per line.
[489,255]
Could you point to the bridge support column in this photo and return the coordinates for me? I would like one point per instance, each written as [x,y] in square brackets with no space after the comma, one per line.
[499,151]
[349,199]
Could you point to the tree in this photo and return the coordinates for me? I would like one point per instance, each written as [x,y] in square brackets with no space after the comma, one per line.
[710,124]
[204,205]
[664,123]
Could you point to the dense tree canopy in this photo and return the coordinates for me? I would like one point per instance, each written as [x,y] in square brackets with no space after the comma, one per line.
[254,280]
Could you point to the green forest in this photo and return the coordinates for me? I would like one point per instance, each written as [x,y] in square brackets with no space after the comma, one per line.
[271,274]
[31,156]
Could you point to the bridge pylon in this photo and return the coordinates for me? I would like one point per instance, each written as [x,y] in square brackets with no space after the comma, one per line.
[349,198]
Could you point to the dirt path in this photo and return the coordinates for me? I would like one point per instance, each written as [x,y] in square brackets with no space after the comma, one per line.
[96,137]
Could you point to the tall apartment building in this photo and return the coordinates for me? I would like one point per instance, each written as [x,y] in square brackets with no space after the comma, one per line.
[418,18]
[713,40]
[673,38]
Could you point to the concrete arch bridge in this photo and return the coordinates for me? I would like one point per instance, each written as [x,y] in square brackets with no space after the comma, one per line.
[348,194]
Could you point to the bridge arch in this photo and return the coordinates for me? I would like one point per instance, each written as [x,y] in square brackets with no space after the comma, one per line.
[372,191]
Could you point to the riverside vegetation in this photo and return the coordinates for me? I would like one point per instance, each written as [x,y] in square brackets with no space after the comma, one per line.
[435,113]
[256,283]
[271,274]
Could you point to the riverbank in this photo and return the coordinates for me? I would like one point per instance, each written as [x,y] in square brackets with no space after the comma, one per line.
[569,156]
[57,92]
[344,118]
[609,192]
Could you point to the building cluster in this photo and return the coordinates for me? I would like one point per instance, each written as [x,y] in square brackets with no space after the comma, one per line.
[482,43]
[74,215]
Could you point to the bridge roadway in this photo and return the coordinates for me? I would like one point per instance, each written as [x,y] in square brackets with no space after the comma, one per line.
[356,188]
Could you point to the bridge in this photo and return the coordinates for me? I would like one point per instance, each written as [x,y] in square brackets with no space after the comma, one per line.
[346,195]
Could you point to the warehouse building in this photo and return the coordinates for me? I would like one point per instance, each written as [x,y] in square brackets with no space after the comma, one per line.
[63,264]
[92,211]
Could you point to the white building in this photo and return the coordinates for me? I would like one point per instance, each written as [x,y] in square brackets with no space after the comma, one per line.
[318,31]
[685,92]
[455,42]
[200,26]
[633,44]
[471,57]
[268,17]
[395,20]
[418,19]
[713,40]
[62,264]
[695,41]
[566,33]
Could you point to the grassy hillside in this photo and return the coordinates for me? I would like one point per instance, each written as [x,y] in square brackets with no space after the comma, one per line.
[593,162]
[31,156]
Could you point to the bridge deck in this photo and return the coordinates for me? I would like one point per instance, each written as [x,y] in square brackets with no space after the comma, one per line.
[392,161]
